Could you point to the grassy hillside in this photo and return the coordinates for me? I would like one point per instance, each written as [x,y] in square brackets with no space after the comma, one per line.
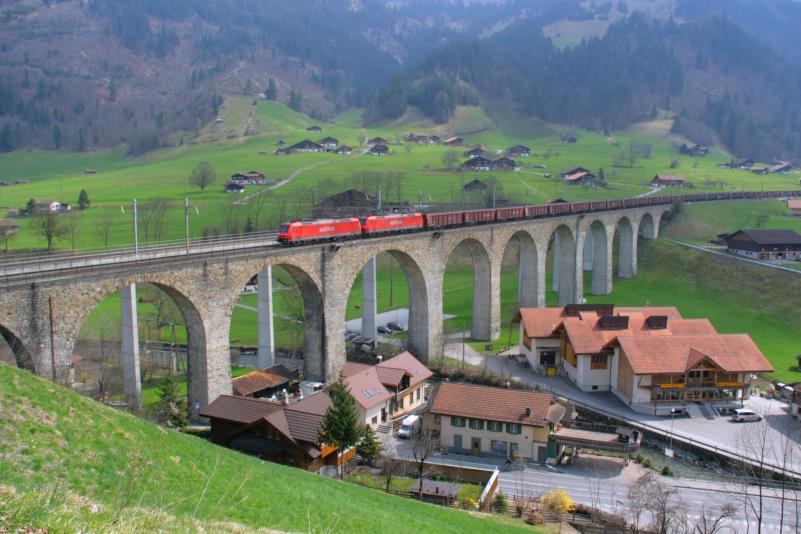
[249,133]
[77,465]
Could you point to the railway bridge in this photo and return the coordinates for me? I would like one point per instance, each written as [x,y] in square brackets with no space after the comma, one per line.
[44,303]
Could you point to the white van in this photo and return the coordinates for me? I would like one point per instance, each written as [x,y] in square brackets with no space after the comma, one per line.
[742,415]
[409,427]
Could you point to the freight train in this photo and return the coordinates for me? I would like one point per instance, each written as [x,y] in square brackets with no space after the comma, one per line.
[376,225]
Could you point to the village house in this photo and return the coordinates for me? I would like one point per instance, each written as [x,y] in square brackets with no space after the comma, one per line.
[794,207]
[781,167]
[768,245]
[378,150]
[248,178]
[693,149]
[344,150]
[314,129]
[328,142]
[742,164]
[478,163]
[234,188]
[389,390]
[421,139]
[266,383]
[284,433]
[668,180]
[569,138]
[760,169]
[497,422]
[475,152]
[578,176]
[303,146]
[504,164]
[651,358]
[453,141]
[518,151]
[377,141]
[475,186]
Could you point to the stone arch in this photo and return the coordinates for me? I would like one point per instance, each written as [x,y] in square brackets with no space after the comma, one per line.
[649,228]
[21,354]
[564,246]
[600,258]
[199,373]
[627,248]
[531,279]
[482,326]
[311,295]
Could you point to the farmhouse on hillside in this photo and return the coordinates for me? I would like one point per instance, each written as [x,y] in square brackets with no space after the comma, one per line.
[378,150]
[314,129]
[768,245]
[283,433]
[344,150]
[389,390]
[478,163]
[781,167]
[498,422]
[303,146]
[231,187]
[475,186]
[377,141]
[328,142]
[504,164]
[476,151]
[247,178]
[518,151]
[668,180]
[578,176]
[794,206]
[453,141]
[693,149]
[651,358]
[42,207]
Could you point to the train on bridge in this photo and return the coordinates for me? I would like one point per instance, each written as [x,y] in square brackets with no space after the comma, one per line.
[298,232]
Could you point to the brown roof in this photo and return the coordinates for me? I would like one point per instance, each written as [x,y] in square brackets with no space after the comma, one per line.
[367,389]
[670,177]
[352,368]
[794,203]
[493,404]
[250,383]
[576,176]
[409,365]
[733,353]
[540,322]
[239,409]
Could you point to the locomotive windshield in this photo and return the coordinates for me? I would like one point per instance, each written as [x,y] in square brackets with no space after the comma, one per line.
[284,228]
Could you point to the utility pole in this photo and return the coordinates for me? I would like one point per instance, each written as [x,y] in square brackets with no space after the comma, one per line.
[186,223]
[493,197]
[136,229]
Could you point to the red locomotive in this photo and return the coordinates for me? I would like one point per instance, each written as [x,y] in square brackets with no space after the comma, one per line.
[374,225]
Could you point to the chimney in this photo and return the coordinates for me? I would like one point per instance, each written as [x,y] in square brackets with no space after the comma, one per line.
[528,412]
[379,358]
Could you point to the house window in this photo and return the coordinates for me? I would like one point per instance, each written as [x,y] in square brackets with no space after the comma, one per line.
[375,420]
[494,426]
[400,404]
[513,428]
[458,421]
[418,392]
[477,424]
[598,361]
[548,357]
[499,448]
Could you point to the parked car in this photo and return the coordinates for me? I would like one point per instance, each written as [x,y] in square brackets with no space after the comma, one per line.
[394,326]
[409,427]
[383,330]
[742,416]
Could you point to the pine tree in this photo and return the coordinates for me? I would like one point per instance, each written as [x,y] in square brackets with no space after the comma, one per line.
[83,199]
[272,91]
[172,410]
[295,100]
[341,423]
[369,448]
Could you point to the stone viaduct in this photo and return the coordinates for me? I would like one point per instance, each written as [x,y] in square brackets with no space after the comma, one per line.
[42,311]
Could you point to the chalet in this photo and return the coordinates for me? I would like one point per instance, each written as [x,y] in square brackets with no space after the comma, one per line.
[281,152]
[234,188]
[314,129]
[304,146]
[266,383]
[794,207]
[781,167]
[475,186]
[328,142]
[283,433]
[21,181]
[496,422]
[388,391]
[569,138]
[344,150]
[351,202]
[476,151]
[378,150]
[8,227]
[650,358]
[478,163]
[248,178]
[453,141]
[768,245]
[518,151]
[760,169]
[377,141]
[668,180]
[421,139]
[504,164]
[578,176]
[742,164]
[693,149]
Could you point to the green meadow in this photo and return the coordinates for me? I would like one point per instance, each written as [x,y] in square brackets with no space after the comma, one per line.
[249,133]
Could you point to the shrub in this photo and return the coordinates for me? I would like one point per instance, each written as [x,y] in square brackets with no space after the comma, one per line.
[470,503]
[535,518]
[557,501]
[667,471]
[647,463]
[639,458]
[499,503]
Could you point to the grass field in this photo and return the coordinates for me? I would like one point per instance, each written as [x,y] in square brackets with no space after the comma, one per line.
[69,464]
[163,173]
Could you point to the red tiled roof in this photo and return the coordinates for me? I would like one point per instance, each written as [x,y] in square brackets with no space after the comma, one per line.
[239,409]
[794,203]
[352,368]
[367,389]
[540,322]
[409,365]
[733,353]
[258,380]
[576,176]
[493,404]
[670,177]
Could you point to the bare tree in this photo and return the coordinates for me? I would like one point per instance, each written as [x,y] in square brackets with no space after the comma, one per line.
[49,227]
[425,444]
[203,175]
[104,226]
[257,205]
[715,518]
[72,225]
[450,158]
[8,231]
[662,503]
[151,217]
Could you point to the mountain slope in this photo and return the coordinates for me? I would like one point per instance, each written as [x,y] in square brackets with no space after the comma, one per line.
[54,441]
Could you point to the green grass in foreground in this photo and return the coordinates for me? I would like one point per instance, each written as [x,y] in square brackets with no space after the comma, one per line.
[64,455]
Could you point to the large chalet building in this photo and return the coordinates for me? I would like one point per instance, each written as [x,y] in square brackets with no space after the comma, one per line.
[650,358]
[767,245]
